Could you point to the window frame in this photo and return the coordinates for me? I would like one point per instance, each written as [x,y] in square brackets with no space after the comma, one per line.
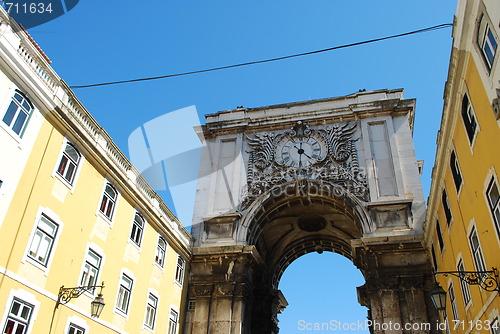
[180,270]
[15,319]
[469,119]
[434,258]
[128,297]
[160,252]
[466,294]
[78,329]
[439,235]
[494,207]
[453,302]
[50,248]
[173,321]
[484,41]
[76,171]
[148,322]
[137,229]
[19,104]
[107,205]
[85,280]
[446,208]
[476,252]
[458,179]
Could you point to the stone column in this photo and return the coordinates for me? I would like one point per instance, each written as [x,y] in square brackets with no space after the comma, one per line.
[398,284]
[220,290]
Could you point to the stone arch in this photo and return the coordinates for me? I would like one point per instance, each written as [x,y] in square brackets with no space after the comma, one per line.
[303,193]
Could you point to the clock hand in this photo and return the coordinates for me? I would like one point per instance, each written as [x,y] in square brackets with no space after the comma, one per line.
[299,150]
[307,155]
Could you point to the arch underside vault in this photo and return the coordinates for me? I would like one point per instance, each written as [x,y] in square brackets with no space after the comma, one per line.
[302,217]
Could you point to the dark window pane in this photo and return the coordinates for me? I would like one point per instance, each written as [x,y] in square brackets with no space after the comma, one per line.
[19,123]
[9,115]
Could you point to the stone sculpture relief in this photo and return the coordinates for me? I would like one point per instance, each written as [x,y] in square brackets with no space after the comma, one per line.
[304,153]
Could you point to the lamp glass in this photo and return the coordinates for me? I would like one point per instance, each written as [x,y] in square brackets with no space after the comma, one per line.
[439,297]
[96,306]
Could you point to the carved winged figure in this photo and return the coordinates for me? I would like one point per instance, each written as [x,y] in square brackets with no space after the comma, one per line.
[262,149]
[339,141]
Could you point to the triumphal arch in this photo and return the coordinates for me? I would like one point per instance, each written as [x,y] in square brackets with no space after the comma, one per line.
[277,182]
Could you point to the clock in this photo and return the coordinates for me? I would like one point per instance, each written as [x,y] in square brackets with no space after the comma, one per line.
[301,151]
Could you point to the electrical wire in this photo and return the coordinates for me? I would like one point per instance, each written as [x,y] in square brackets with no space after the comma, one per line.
[437,27]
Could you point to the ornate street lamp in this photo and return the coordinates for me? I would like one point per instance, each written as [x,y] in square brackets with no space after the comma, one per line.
[66,294]
[97,305]
[439,297]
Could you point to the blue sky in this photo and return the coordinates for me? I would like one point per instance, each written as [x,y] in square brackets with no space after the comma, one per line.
[115,40]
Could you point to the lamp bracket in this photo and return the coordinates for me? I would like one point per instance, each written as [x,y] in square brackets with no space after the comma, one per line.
[66,294]
[487,280]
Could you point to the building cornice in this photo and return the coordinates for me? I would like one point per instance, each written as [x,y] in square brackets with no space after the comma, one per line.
[338,109]
[58,103]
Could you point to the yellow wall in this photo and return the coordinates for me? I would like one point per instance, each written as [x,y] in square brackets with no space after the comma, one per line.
[80,226]
[476,164]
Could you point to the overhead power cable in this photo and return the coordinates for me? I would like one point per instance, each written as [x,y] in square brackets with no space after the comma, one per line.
[437,27]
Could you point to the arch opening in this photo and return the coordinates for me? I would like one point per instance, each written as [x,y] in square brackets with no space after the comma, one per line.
[326,296]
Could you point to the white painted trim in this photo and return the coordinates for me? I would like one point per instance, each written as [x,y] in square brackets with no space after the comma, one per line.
[155,293]
[56,219]
[3,110]
[76,320]
[113,214]
[489,176]
[97,249]
[55,174]
[26,297]
[162,268]
[472,224]
[457,261]
[130,274]
[129,240]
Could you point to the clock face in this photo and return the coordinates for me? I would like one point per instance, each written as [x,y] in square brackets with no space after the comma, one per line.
[300,152]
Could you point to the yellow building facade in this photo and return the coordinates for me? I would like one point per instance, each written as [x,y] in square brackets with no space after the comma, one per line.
[463,216]
[74,212]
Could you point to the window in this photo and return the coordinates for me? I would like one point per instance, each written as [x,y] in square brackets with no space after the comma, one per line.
[439,236]
[453,301]
[151,311]
[124,292]
[494,202]
[74,329]
[446,207]
[179,272]
[69,163]
[18,113]
[161,248]
[172,322]
[91,269]
[464,285]
[434,259]
[43,240]
[455,171]
[108,201]
[477,253]
[469,118]
[137,228]
[487,42]
[19,316]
